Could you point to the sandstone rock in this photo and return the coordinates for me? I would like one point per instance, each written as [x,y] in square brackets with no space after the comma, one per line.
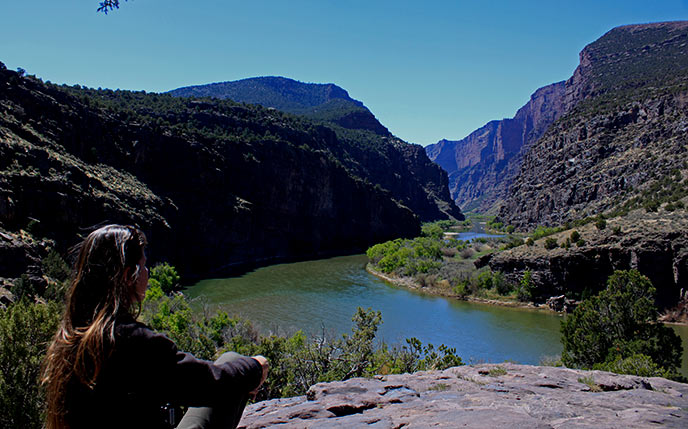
[482,396]
[656,244]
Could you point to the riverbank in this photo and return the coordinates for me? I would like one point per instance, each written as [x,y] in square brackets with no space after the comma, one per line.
[447,292]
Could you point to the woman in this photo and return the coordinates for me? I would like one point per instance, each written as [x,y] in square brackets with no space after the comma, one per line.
[104,369]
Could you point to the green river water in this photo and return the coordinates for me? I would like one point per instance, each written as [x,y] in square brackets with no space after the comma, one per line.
[323,295]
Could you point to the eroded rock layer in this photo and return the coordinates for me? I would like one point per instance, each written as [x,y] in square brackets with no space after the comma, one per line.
[656,244]
[482,396]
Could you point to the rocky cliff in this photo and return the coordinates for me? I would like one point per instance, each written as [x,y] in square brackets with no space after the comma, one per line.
[482,166]
[585,145]
[656,244]
[482,396]
[215,185]
[624,131]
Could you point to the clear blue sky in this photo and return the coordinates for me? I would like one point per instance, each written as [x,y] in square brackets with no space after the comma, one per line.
[427,69]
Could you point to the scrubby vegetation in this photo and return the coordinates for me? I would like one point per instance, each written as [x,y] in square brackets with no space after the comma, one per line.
[446,265]
[297,361]
[617,331]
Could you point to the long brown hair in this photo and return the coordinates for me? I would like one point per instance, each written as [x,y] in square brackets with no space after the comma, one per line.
[102,289]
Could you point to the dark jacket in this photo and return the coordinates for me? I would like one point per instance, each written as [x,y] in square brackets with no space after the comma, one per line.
[146,371]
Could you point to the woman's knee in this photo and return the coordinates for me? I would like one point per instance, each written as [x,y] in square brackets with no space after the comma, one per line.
[228,357]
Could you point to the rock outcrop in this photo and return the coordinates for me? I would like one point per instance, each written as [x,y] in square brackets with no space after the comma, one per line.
[656,244]
[626,128]
[482,165]
[482,396]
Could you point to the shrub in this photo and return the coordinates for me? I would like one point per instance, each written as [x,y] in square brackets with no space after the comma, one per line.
[25,331]
[550,243]
[461,289]
[513,242]
[510,229]
[636,364]
[544,231]
[24,288]
[525,287]
[651,205]
[54,266]
[449,252]
[601,224]
[500,284]
[575,236]
[580,243]
[165,277]
[379,251]
[620,322]
[616,230]
[432,230]
[466,253]
[530,242]
[485,280]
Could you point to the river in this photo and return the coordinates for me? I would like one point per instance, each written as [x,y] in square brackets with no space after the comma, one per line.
[323,295]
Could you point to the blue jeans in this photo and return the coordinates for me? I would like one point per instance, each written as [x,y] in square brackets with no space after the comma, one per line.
[225,416]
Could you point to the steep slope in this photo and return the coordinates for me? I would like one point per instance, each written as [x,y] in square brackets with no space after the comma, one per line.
[482,165]
[215,185]
[378,156]
[326,102]
[623,142]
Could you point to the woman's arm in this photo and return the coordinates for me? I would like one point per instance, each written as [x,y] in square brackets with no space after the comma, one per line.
[159,370]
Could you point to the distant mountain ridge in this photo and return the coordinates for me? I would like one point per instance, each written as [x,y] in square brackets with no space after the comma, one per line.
[482,165]
[327,102]
[489,168]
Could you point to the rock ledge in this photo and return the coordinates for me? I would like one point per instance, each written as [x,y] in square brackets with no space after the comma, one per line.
[482,396]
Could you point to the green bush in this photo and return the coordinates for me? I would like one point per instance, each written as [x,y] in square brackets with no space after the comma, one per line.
[544,231]
[165,277]
[510,229]
[485,280]
[54,266]
[500,284]
[461,289]
[432,230]
[530,242]
[601,224]
[379,251]
[620,322]
[636,364]
[407,257]
[525,287]
[550,243]
[575,236]
[25,332]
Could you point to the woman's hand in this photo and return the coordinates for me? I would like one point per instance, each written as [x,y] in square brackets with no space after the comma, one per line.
[266,366]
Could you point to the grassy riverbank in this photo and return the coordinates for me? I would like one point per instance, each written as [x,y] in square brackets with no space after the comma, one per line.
[489,296]
[439,264]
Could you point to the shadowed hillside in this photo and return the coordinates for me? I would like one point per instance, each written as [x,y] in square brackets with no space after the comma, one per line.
[216,185]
